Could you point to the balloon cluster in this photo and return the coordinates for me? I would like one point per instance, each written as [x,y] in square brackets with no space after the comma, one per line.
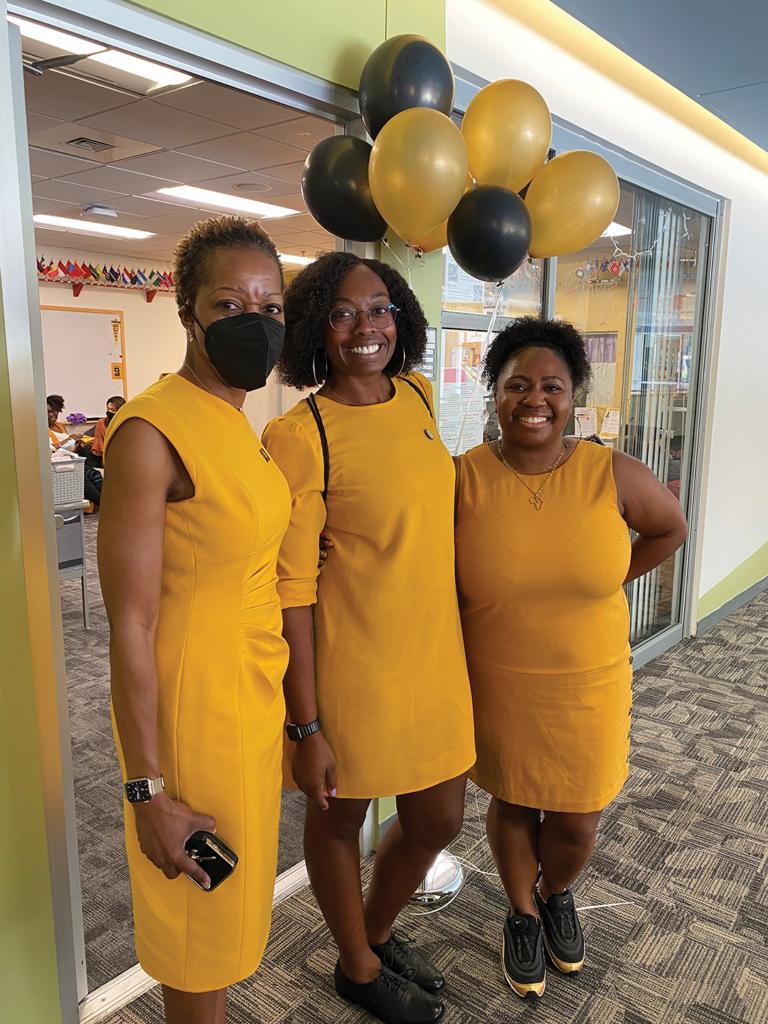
[484,190]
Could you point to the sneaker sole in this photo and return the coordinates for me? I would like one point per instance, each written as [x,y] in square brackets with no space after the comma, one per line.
[388,1019]
[525,990]
[564,966]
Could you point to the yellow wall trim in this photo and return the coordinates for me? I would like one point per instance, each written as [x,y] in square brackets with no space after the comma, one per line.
[581,42]
[751,571]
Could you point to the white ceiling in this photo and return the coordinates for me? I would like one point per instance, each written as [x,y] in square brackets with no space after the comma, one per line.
[199,134]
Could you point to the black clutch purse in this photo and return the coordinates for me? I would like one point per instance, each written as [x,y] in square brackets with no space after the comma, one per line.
[213,856]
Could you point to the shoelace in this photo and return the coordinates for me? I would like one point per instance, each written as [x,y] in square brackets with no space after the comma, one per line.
[394,982]
[524,949]
[399,941]
[565,921]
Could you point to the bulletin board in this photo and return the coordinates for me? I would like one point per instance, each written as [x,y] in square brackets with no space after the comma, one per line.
[84,354]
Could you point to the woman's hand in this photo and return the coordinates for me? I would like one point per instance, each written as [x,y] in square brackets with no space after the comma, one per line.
[325,546]
[163,827]
[314,769]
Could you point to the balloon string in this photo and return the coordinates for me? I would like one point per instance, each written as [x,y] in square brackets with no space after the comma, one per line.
[405,266]
[484,349]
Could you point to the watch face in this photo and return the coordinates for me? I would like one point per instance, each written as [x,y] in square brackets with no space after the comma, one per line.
[137,791]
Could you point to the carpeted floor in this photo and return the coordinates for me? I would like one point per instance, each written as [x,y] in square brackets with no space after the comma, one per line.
[686,845]
[98,800]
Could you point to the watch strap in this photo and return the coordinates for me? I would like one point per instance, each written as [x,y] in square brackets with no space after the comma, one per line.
[300,732]
[141,791]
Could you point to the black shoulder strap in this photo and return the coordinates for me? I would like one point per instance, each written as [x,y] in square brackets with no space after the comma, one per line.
[418,391]
[323,443]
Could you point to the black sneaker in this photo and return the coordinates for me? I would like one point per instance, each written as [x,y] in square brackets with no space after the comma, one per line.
[394,1000]
[398,954]
[522,955]
[563,936]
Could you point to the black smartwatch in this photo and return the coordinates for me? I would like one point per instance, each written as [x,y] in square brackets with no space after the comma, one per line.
[300,732]
[141,791]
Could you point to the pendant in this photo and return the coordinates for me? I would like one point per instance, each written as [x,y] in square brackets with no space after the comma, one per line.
[537,502]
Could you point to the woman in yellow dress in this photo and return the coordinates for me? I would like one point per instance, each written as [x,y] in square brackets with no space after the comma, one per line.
[542,551]
[188,541]
[377,688]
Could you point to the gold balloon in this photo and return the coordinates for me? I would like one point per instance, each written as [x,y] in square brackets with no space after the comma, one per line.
[508,131]
[437,238]
[571,200]
[417,171]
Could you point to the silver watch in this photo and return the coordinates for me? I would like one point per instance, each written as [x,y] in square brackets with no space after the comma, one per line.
[141,791]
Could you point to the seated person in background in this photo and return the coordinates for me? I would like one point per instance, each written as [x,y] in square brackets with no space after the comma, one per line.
[57,431]
[94,451]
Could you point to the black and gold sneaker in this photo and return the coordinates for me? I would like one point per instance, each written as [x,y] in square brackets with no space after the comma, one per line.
[398,953]
[563,936]
[522,955]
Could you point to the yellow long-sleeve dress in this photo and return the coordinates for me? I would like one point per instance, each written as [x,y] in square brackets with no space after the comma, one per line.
[220,661]
[546,630]
[392,688]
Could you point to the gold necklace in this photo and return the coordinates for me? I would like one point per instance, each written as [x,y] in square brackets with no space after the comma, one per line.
[204,385]
[535,500]
[356,405]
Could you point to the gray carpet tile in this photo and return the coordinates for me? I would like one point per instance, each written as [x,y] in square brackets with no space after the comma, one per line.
[683,849]
[106,890]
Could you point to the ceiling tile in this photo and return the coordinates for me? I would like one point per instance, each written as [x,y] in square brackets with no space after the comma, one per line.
[39,122]
[295,201]
[180,167]
[69,192]
[142,207]
[247,150]
[305,132]
[305,223]
[59,139]
[40,205]
[228,106]
[154,123]
[288,172]
[173,225]
[60,96]
[276,187]
[54,165]
[116,179]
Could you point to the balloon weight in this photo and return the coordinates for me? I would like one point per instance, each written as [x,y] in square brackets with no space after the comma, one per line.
[508,131]
[418,170]
[405,71]
[489,232]
[335,187]
[571,200]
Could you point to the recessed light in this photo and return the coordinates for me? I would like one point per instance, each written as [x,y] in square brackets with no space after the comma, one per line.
[204,197]
[89,227]
[252,186]
[157,73]
[615,229]
[303,260]
[61,40]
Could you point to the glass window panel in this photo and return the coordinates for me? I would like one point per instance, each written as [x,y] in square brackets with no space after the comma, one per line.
[521,294]
[466,413]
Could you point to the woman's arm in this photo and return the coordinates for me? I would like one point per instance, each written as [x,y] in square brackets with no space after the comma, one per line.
[144,473]
[649,509]
[313,766]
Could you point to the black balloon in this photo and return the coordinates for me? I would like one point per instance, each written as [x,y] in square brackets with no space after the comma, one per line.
[489,232]
[405,71]
[334,184]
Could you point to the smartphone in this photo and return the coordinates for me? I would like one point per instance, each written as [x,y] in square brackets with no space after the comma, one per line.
[213,856]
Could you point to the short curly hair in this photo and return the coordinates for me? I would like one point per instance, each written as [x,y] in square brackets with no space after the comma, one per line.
[530,332]
[308,303]
[56,402]
[195,249]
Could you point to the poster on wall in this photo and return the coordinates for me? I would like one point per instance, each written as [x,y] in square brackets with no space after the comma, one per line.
[462,397]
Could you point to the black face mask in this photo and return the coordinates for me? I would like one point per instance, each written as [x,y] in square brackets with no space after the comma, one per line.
[109,416]
[244,348]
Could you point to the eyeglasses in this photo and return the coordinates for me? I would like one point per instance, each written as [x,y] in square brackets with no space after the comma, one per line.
[345,318]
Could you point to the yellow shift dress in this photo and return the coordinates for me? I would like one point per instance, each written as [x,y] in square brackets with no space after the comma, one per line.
[392,688]
[546,630]
[220,662]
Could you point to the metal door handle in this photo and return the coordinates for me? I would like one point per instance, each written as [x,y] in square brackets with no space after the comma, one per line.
[58,521]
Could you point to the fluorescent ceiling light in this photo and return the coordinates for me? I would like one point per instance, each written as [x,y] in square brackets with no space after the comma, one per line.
[141,68]
[615,229]
[61,40]
[89,227]
[303,260]
[204,197]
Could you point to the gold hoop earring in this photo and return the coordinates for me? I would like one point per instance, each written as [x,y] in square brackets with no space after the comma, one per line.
[314,367]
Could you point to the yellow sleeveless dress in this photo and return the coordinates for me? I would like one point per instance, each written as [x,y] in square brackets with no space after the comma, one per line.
[546,630]
[392,688]
[220,662]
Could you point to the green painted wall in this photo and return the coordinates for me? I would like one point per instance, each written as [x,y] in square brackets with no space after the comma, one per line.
[29,991]
[751,571]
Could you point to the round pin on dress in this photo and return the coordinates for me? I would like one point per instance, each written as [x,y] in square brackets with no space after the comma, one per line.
[430,435]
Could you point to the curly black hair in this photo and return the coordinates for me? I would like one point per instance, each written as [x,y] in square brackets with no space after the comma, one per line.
[204,239]
[308,303]
[56,402]
[530,332]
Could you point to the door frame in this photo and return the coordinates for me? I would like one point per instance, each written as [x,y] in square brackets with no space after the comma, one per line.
[148,35]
